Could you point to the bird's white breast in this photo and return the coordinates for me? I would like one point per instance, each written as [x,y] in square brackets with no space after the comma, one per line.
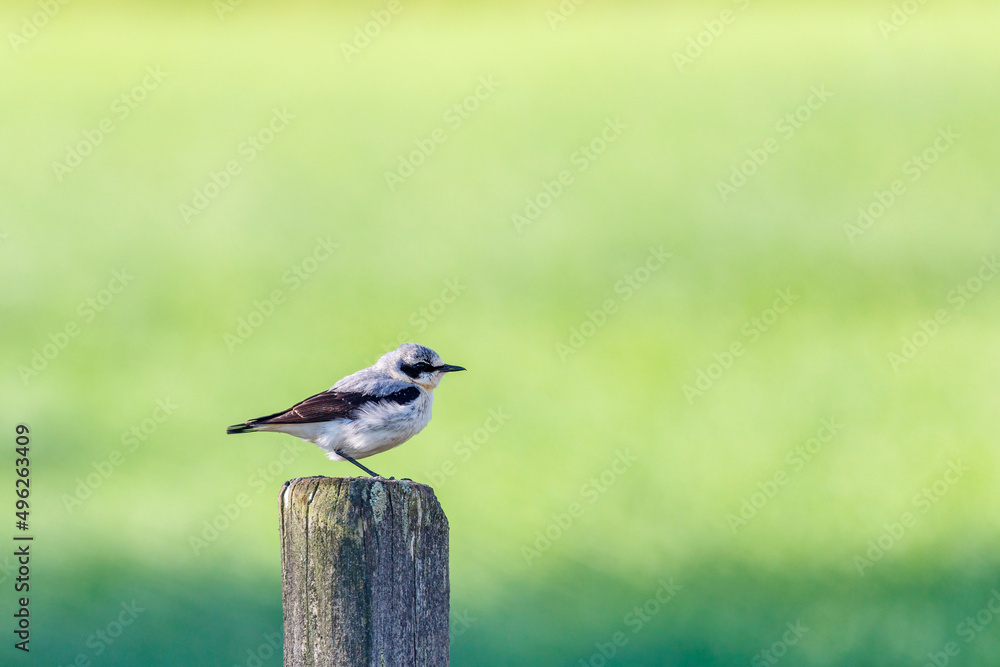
[376,428]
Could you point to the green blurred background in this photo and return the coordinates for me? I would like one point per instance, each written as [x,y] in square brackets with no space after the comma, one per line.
[579,355]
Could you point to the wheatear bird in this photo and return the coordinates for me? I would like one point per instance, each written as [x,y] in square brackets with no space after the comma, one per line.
[365,413]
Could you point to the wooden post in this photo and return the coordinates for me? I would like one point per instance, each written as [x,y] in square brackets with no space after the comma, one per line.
[364,573]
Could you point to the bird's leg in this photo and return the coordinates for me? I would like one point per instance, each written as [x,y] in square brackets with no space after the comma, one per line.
[348,458]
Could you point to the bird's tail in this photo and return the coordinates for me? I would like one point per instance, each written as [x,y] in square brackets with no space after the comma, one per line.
[255,424]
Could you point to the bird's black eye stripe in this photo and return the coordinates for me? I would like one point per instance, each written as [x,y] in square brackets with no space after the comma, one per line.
[415,370]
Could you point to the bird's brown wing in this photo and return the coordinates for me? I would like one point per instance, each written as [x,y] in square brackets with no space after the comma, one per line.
[326,406]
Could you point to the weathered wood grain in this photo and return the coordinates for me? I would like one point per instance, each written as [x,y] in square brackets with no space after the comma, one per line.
[364,571]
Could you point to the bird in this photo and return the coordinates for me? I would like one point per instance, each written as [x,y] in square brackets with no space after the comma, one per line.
[367,412]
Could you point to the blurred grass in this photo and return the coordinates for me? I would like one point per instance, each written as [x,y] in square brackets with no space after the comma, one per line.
[655,186]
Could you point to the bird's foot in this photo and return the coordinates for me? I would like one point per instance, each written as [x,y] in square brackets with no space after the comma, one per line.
[348,458]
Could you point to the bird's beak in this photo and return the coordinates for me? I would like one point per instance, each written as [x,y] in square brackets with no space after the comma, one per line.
[448,368]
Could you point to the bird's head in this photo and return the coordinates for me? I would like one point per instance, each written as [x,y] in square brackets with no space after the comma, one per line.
[417,365]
